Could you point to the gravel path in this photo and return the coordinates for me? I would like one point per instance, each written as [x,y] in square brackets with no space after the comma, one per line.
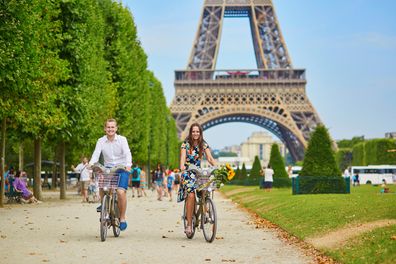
[68,232]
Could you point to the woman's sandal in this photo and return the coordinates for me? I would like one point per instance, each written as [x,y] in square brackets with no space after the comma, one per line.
[188,231]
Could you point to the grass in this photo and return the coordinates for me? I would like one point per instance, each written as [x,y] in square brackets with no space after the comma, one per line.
[372,247]
[315,215]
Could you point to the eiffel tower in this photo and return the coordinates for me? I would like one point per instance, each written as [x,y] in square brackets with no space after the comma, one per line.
[272,96]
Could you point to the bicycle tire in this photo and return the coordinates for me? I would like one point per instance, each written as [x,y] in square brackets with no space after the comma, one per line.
[104,214]
[185,221]
[115,221]
[209,220]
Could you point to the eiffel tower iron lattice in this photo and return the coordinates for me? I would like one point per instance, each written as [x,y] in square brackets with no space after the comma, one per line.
[272,96]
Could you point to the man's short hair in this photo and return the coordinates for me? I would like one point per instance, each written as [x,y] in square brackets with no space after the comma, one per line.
[110,120]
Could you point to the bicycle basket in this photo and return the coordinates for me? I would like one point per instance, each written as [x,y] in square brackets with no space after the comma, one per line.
[107,180]
[203,180]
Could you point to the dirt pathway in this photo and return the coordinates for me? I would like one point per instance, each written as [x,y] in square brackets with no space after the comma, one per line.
[67,232]
[339,237]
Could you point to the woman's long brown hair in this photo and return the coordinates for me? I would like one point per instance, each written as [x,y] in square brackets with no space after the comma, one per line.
[200,139]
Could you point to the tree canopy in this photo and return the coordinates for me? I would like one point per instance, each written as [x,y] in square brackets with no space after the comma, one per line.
[320,158]
[67,66]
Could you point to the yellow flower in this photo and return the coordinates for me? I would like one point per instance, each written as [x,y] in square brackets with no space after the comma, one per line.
[228,167]
[231,175]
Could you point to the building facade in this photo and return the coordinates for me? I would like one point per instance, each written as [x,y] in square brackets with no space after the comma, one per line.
[259,144]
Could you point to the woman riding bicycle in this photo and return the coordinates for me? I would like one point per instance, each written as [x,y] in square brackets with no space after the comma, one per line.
[191,153]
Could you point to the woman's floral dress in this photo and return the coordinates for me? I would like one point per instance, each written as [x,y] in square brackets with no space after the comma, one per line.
[188,180]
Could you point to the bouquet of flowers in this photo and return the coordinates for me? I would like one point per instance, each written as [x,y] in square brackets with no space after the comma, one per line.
[223,174]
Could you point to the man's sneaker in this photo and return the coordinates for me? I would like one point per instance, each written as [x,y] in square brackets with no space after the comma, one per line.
[123,226]
[99,209]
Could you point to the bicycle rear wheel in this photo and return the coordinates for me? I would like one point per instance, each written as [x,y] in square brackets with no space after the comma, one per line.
[209,220]
[104,216]
[115,221]
[185,221]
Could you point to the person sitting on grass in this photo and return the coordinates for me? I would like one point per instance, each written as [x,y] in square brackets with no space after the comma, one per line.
[384,189]
[21,186]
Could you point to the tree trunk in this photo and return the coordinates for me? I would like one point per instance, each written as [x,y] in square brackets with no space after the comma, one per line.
[37,169]
[21,159]
[2,160]
[54,176]
[62,170]
[45,184]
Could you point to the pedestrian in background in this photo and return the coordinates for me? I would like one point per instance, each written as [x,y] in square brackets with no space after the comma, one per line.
[159,181]
[268,178]
[135,175]
[85,175]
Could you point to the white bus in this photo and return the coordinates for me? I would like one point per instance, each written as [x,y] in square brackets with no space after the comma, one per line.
[375,174]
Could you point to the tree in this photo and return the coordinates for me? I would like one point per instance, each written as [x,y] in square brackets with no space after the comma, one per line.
[237,173]
[346,143]
[31,73]
[281,178]
[243,173]
[319,158]
[255,171]
[86,95]
[320,173]
[173,143]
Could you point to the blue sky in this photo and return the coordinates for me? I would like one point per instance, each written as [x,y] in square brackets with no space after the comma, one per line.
[348,48]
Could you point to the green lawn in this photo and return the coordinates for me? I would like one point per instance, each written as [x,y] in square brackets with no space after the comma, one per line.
[372,247]
[314,215]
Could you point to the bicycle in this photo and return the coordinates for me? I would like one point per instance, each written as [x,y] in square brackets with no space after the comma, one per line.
[204,215]
[108,180]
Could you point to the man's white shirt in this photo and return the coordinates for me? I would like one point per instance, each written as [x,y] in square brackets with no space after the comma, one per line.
[114,152]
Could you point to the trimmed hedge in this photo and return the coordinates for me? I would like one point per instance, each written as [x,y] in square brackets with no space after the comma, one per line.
[374,152]
[317,184]
[344,158]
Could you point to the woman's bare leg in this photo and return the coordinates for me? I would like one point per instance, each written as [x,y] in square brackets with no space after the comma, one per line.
[190,204]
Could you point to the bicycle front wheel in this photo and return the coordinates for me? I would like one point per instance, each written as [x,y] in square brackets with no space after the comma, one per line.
[209,220]
[115,221]
[104,216]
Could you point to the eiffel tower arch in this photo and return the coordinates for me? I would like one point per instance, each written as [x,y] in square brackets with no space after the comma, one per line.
[272,96]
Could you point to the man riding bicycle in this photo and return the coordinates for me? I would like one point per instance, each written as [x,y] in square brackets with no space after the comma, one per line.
[116,152]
